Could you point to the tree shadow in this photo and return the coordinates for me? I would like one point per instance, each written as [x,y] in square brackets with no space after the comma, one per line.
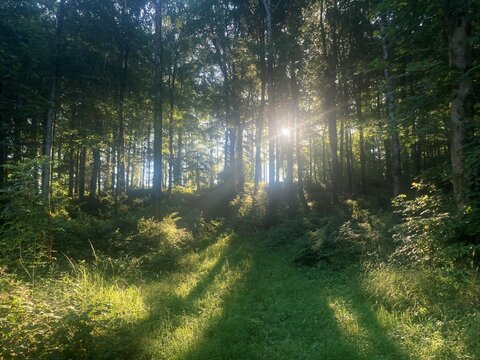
[273,310]
[170,311]
[279,315]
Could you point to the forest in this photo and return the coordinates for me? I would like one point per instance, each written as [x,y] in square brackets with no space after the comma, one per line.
[239,179]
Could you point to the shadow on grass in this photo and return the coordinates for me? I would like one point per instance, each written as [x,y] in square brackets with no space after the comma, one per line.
[280,314]
[251,303]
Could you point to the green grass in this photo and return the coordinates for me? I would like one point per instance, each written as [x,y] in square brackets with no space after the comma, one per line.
[240,299]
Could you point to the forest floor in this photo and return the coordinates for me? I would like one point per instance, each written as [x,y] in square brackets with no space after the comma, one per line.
[237,294]
[239,299]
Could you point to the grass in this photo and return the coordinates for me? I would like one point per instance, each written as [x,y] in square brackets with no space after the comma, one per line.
[240,298]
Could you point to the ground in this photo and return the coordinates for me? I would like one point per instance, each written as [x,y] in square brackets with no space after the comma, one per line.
[238,299]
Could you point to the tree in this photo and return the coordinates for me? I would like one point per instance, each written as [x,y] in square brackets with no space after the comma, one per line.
[52,104]
[458,30]
[157,106]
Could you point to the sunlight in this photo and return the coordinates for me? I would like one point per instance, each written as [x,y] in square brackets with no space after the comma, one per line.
[349,323]
[285,131]
[204,290]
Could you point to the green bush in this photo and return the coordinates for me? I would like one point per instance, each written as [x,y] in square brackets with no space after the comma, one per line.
[353,233]
[28,224]
[248,211]
[428,232]
[164,236]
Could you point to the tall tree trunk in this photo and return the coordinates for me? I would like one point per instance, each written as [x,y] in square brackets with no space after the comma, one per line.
[179,160]
[458,30]
[271,96]
[52,105]
[71,171]
[121,181]
[342,153]
[330,93]
[289,144]
[392,119]
[387,144]
[260,118]
[81,172]
[157,104]
[71,157]
[170,122]
[349,153]
[231,152]
[239,176]
[113,167]
[361,140]
[133,167]
[77,171]
[129,159]
[95,173]
[298,137]
[226,157]
[332,134]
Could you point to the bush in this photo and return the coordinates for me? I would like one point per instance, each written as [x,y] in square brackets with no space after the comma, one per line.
[428,233]
[28,223]
[353,233]
[164,236]
[248,211]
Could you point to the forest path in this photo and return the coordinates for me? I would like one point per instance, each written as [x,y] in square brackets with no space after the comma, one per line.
[237,299]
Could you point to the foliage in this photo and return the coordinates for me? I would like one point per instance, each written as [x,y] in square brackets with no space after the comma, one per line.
[248,210]
[79,314]
[356,232]
[429,231]
[29,225]
[159,243]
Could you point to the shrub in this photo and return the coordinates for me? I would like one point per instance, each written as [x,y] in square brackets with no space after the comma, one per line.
[428,233]
[353,233]
[164,237]
[28,223]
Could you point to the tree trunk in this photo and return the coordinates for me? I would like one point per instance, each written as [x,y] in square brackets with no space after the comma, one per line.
[298,138]
[271,96]
[170,122]
[179,160]
[342,153]
[77,171]
[121,181]
[349,153]
[392,119]
[52,105]
[71,171]
[81,172]
[260,119]
[361,140]
[95,173]
[458,30]
[239,176]
[157,104]
[332,134]
[330,49]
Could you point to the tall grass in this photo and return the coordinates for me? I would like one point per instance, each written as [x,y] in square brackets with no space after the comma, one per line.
[75,314]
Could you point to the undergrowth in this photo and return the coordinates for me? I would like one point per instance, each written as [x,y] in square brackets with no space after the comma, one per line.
[354,281]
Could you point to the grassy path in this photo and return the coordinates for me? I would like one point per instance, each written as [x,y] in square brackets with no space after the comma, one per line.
[238,300]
